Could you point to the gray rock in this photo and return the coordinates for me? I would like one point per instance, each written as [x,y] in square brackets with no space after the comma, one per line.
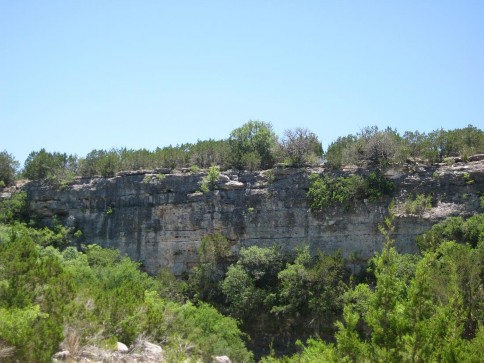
[477,157]
[232,185]
[162,224]
[223,178]
[151,348]
[221,359]
[63,355]
[121,347]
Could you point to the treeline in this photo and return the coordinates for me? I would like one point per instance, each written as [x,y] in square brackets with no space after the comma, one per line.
[385,147]
[253,146]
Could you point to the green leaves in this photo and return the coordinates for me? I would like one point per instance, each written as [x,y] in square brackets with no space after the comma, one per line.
[254,138]
[8,168]
[327,191]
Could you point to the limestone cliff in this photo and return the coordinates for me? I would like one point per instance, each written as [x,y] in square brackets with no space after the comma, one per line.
[159,217]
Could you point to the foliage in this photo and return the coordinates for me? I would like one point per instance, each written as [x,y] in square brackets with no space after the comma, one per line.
[34,291]
[252,141]
[336,155]
[8,168]
[116,300]
[210,181]
[203,154]
[312,288]
[52,168]
[299,146]
[215,256]
[253,146]
[326,191]
[14,208]
[456,229]
[418,205]
[315,351]
[421,318]
[210,332]
[98,297]
[382,148]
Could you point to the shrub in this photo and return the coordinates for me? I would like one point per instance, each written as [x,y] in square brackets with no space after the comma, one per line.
[300,146]
[418,205]
[327,192]
[211,180]
[378,185]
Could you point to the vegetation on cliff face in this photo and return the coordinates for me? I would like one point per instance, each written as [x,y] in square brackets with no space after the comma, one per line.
[326,191]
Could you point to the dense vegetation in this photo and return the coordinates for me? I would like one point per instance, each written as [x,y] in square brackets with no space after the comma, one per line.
[410,308]
[253,146]
[384,147]
[326,191]
[426,308]
[52,296]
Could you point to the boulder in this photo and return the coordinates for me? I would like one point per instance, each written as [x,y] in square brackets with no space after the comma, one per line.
[63,355]
[122,348]
[221,359]
[477,157]
[151,348]
[232,185]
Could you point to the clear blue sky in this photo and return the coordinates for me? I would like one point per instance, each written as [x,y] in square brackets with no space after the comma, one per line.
[80,75]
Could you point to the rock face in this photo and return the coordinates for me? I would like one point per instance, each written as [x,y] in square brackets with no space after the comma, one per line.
[160,221]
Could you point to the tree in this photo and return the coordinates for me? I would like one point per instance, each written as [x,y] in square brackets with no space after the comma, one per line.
[252,137]
[34,292]
[50,167]
[336,154]
[299,146]
[8,168]
[209,152]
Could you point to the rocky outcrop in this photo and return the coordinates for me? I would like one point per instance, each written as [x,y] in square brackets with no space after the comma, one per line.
[159,218]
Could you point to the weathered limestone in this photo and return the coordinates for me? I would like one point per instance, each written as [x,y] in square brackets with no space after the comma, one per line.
[161,221]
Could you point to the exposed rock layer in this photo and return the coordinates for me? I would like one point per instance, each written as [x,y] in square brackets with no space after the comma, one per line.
[160,219]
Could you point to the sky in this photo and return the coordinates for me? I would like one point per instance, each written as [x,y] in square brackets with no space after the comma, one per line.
[99,74]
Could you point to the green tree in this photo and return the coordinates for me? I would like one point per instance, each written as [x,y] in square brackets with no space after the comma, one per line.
[209,152]
[215,257]
[14,208]
[336,155]
[34,292]
[253,137]
[8,168]
[53,168]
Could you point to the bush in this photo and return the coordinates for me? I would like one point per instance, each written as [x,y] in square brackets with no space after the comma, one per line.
[14,208]
[211,180]
[34,291]
[456,229]
[418,205]
[326,191]
[300,146]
